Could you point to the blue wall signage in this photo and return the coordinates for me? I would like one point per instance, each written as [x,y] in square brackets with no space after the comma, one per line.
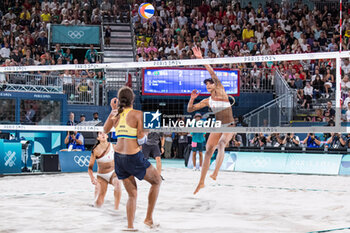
[325,164]
[10,157]
[75,161]
[261,162]
[45,142]
[62,34]
[345,165]
[228,164]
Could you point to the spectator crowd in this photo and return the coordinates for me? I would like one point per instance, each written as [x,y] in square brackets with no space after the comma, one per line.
[225,29]
[24,28]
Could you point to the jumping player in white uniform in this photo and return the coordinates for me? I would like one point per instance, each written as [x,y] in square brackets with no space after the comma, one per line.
[221,107]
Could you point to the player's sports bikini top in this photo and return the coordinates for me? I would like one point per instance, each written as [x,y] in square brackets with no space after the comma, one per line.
[218,105]
[123,130]
[108,156]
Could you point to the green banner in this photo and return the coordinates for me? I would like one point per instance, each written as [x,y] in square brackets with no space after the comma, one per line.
[62,34]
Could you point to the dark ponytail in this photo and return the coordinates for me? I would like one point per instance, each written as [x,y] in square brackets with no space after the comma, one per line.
[96,144]
[126,98]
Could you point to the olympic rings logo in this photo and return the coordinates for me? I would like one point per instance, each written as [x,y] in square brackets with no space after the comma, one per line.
[76,34]
[260,162]
[82,160]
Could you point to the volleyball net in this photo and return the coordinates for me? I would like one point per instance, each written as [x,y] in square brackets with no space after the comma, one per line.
[269,93]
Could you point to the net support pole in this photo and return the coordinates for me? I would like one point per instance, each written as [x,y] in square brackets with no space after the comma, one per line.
[340,26]
[338,71]
[338,93]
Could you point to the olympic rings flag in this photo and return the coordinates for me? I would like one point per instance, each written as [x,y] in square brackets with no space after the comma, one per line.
[75,161]
[62,34]
[76,34]
[82,161]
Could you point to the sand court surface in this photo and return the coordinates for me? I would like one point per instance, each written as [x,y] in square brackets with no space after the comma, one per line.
[236,202]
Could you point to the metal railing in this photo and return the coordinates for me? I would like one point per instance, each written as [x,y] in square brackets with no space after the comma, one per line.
[281,86]
[100,56]
[33,83]
[116,79]
[259,80]
[330,4]
[290,3]
[102,41]
[277,112]
[79,90]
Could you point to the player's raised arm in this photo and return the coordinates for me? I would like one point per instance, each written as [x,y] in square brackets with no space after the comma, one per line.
[112,120]
[197,52]
[194,107]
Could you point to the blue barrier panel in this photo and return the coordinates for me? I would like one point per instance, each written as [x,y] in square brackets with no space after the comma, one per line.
[313,164]
[75,161]
[345,165]
[62,34]
[10,157]
[325,164]
[228,164]
[190,163]
[261,162]
[44,142]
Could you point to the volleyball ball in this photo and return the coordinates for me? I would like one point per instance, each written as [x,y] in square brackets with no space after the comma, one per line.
[146,10]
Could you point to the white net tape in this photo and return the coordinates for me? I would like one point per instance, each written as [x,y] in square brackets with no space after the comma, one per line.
[63,128]
[170,63]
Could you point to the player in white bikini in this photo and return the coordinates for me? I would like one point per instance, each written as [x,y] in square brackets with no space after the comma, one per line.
[221,107]
[103,153]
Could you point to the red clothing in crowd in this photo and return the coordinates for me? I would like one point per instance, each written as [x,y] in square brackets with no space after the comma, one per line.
[204,9]
[231,18]
[233,44]
[302,76]
[279,32]
[27,6]
[297,67]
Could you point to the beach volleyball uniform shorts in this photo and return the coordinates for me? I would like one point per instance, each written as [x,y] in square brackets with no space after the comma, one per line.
[198,147]
[150,151]
[130,165]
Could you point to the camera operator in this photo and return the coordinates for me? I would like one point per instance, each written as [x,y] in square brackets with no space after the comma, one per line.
[291,140]
[75,141]
[336,141]
[259,140]
[236,140]
[345,140]
[312,141]
[275,140]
